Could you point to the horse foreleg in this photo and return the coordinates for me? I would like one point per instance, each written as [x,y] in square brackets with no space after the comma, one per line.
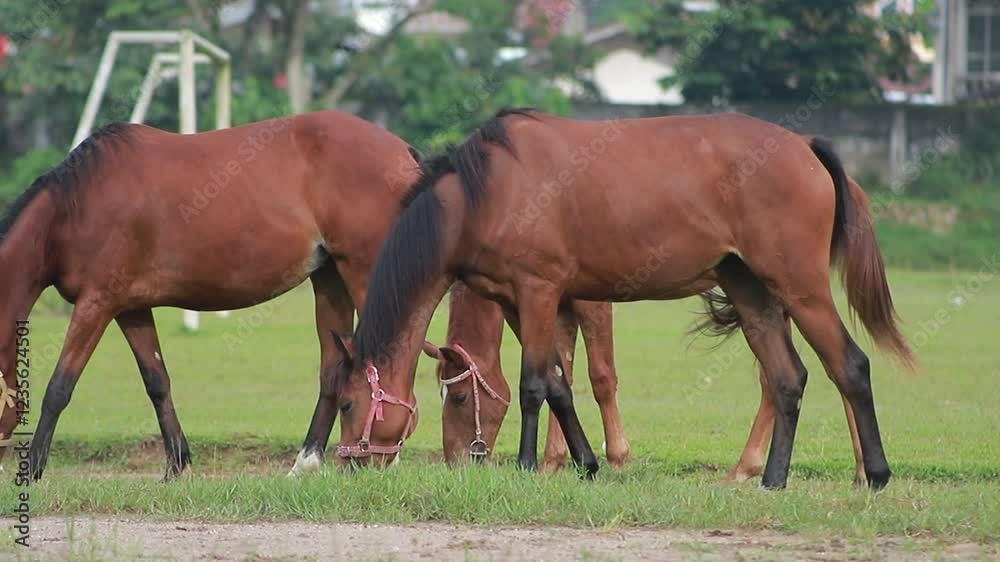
[751,463]
[556,450]
[139,329]
[537,310]
[860,479]
[89,320]
[334,313]
[596,325]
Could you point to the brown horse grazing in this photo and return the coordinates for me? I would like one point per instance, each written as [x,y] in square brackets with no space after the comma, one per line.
[137,218]
[664,205]
[478,321]
[475,394]
[459,426]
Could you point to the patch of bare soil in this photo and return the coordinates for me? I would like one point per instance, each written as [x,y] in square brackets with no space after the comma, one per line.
[107,538]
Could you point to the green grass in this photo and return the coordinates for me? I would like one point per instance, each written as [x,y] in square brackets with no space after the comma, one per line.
[245,395]
[639,495]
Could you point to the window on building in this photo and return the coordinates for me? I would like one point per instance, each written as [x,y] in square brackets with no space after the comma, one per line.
[983,53]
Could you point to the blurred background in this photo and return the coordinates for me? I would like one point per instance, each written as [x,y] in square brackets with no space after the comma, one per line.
[905,88]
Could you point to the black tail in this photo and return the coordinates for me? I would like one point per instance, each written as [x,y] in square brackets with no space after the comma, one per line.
[825,153]
[854,247]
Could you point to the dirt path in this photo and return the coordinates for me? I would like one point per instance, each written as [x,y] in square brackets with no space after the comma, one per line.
[122,539]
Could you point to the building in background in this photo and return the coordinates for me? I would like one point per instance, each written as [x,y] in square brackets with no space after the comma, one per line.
[627,74]
[967,66]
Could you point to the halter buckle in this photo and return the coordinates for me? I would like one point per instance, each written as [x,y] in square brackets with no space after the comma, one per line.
[364,446]
[478,449]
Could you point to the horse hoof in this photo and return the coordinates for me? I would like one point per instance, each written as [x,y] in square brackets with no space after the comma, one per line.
[773,485]
[590,467]
[305,462]
[619,460]
[736,477]
[554,464]
[740,474]
[878,479]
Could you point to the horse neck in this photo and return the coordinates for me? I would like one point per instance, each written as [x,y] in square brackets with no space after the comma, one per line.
[24,258]
[400,359]
[476,323]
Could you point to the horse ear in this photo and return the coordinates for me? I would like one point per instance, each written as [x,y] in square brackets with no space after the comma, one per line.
[432,351]
[452,356]
[344,345]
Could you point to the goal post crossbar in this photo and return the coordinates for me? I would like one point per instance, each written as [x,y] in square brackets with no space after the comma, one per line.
[192,49]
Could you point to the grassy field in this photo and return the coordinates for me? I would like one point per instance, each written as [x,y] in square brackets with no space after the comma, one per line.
[245,386]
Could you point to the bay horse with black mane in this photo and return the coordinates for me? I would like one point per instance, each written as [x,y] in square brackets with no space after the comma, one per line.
[662,191]
[137,218]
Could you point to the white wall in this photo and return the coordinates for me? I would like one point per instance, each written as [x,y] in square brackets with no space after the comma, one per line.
[626,76]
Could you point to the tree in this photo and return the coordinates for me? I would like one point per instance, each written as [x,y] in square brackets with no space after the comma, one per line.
[436,90]
[775,49]
[59,43]
[288,56]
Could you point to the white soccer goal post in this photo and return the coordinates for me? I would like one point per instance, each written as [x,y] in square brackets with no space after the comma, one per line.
[192,50]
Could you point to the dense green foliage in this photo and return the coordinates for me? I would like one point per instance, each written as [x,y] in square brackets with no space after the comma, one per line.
[776,49]
[431,89]
[438,89]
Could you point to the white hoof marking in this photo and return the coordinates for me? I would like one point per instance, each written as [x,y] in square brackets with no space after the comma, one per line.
[304,464]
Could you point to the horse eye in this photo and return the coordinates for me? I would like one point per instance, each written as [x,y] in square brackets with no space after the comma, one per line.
[460,398]
[346,407]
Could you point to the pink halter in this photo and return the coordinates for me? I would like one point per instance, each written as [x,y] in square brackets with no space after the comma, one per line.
[364,448]
[478,447]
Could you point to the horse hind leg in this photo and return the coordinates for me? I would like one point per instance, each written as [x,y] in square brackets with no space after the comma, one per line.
[849,368]
[139,329]
[764,327]
[751,463]
[805,293]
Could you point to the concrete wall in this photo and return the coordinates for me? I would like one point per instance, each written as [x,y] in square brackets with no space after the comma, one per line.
[886,141]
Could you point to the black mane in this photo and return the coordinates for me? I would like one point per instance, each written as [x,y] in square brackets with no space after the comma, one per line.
[68,176]
[410,257]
